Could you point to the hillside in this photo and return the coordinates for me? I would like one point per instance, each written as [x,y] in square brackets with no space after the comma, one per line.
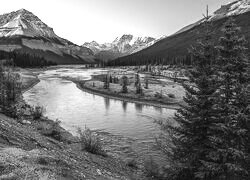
[175,47]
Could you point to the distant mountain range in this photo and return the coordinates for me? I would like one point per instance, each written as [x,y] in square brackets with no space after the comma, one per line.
[24,32]
[121,46]
[176,46]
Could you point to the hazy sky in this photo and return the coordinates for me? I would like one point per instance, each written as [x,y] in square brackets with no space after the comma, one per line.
[103,20]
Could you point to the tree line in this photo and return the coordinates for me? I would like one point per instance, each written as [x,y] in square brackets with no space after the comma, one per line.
[139,60]
[25,60]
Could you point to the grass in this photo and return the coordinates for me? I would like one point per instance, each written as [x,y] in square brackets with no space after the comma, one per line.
[90,142]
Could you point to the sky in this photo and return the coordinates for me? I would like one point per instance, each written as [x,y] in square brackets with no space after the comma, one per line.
[83,21]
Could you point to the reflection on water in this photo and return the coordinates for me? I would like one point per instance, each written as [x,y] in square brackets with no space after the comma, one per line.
[75,108]
[138,107]
[124,106]
[107,103]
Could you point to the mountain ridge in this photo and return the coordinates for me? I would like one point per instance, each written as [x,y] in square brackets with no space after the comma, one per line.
[120,46]
[21,30]
[175,47]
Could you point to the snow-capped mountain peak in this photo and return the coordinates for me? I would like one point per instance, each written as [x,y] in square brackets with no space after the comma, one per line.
[121,46]
[25,23]
[26,31]
[235,8]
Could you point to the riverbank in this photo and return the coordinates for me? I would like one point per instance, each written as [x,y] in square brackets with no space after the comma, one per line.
[41,149]
[161,93]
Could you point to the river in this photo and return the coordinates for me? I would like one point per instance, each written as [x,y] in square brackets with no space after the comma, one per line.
[133,123]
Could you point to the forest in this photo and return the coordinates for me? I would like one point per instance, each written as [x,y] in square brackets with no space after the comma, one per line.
[25,60]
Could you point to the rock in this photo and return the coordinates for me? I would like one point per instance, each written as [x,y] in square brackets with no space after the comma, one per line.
[26,122]
[98,171]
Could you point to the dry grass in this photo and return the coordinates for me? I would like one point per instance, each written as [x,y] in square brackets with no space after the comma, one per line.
[90,142]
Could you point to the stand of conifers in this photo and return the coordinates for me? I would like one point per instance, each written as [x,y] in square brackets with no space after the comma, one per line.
[211,140]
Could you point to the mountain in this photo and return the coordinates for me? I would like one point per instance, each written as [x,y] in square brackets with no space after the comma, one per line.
[24,32]
[121,46]
[175,47]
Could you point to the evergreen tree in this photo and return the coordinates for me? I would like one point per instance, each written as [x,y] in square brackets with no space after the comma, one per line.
[110,79]
[137,78]
[191,141]
[106,82]
[138,84]
[232,141]
[124,84]
[146,83]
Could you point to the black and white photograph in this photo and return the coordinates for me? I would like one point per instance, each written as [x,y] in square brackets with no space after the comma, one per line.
[124,89]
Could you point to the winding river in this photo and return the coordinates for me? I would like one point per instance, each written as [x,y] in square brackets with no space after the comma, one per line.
[76,108]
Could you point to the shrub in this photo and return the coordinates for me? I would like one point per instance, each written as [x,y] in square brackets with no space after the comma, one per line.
[37,112]
[10,91]
[55,131]
[42,161]
[158,95]
[132,163]
[13,111]
[171,96]
[90,142]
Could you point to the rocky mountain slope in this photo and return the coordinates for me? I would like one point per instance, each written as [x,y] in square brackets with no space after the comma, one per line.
[23,31]
[177,45]
[121,46]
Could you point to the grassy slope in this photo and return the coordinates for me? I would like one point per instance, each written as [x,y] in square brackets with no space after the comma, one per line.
[26,153]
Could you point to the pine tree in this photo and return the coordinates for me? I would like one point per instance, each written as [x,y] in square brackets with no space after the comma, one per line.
[190,138]
[233,136]
[106,82]
[124,84]
[138,84]
[146,83]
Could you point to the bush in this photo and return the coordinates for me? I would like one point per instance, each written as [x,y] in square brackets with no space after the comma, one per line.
[13,111]
[132,163]
[171,96]
[158,95]
[37,112]
[90,142]
[10,91]
[55,131]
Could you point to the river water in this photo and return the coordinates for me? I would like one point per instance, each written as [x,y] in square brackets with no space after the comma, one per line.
[132,123]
